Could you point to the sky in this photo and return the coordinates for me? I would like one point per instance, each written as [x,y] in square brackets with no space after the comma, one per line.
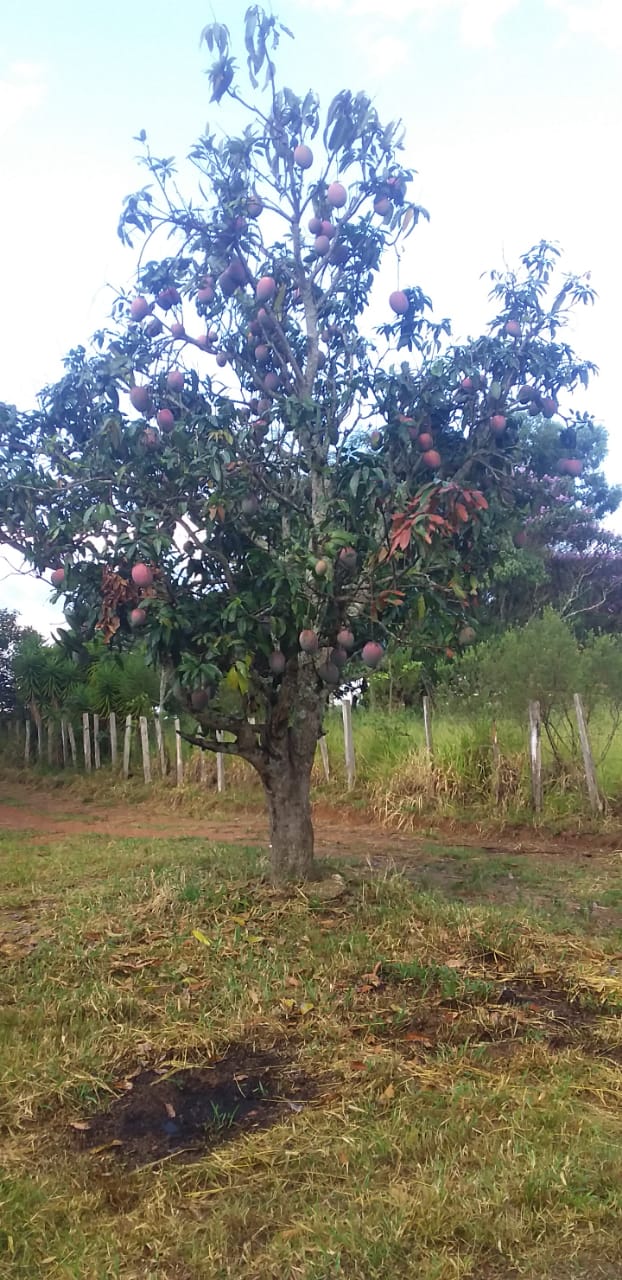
[512,111]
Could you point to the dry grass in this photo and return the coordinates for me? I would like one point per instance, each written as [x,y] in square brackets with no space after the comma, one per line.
[452,1134]
[420,785]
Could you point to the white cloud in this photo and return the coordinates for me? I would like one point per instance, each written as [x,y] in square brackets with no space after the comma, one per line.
[22,89]
[383,56]
[599,19]
[476,20]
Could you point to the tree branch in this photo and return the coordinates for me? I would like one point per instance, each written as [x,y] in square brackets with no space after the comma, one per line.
[210,744]
[212,554]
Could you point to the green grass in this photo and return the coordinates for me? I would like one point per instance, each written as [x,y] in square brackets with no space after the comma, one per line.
[450,1137]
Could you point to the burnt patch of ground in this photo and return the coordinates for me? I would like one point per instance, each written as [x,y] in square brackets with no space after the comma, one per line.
[184,1112]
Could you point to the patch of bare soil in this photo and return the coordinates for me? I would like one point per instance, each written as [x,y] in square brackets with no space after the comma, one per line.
[164,1113]
[340,832]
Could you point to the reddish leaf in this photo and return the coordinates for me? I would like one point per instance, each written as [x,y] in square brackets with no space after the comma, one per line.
[417,1037]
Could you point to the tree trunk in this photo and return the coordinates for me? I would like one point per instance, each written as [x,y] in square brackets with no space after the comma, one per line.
[287,789]
[284,763]
[281,749]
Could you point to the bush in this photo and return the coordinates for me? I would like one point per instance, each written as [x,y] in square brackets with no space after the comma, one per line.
[540,662]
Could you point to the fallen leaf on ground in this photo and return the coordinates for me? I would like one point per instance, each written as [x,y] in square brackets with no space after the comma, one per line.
[417,1037]
[372,979]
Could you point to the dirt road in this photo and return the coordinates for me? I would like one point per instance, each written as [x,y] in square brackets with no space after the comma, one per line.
[340,832]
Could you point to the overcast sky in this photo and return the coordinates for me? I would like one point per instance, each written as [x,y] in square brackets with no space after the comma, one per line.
[512,111]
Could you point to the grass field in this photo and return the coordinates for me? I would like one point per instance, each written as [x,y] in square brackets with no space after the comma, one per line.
[385,1076]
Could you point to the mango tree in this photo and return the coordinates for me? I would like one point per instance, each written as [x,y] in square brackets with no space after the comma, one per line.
[263,469]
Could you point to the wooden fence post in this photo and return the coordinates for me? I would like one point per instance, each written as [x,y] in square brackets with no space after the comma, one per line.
[535,754]
[112,729]
[127,745]
[27,743]
[63,742]
[96,743]
[144,738]
[179,760]
[86,740]
[220,764]
[39,739]
[160,744]
[348,741]
[324,755]
[596,803]
[427,725]
[72,743]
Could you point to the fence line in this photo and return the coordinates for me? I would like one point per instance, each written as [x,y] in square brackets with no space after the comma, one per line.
[61,748]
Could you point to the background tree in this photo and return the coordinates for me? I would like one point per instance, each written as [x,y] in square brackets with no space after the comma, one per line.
[239,471]
[11,636]
[557,552]
[56,679]
[541,661]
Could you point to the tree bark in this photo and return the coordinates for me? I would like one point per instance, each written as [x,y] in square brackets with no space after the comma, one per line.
[288,752]
[281,748]
[287,790]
